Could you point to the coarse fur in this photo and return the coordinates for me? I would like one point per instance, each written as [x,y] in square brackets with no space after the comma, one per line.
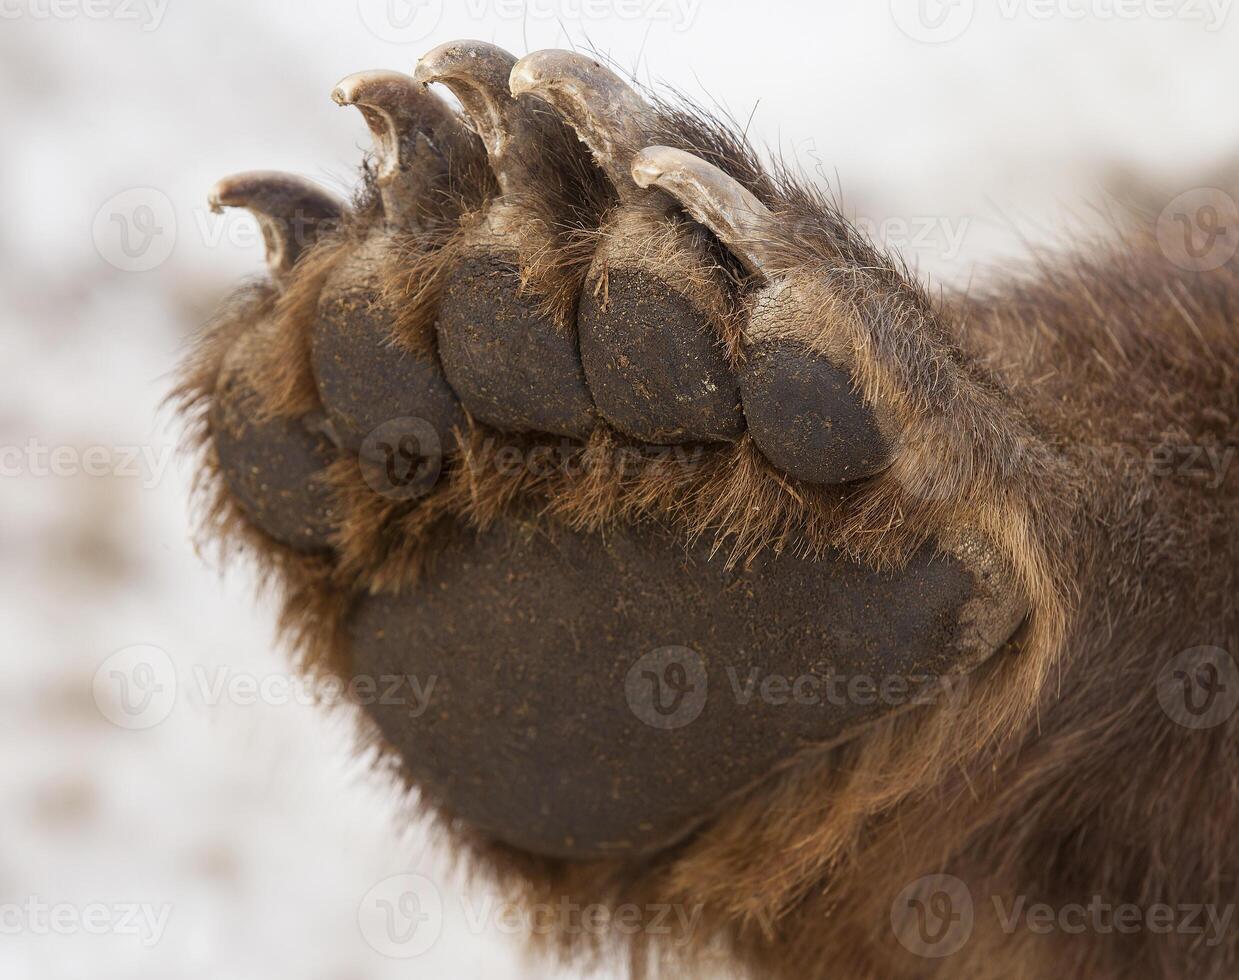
[1029,413]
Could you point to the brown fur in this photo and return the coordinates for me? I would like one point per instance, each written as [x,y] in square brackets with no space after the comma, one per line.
[1027,414]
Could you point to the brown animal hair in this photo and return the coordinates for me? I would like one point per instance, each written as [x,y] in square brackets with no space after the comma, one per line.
[1060,414]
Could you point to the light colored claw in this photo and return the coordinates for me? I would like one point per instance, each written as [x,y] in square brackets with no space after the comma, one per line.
[718,201]
[291,211]
[477,74]
[398,110]
[607,114]
[408,124]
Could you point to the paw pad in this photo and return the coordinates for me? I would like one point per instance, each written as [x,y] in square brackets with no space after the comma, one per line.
[542,271]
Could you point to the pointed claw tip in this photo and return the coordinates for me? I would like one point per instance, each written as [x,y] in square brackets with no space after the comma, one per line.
[712,197]
[436,63]
[219,196]
[540,71]
[477,61]
[423,73]
[524,77]
[377,88]
[646,170]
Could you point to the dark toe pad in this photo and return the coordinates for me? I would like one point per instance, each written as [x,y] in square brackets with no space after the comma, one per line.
[273,466]
[656,369]
[511,366]
[807,418]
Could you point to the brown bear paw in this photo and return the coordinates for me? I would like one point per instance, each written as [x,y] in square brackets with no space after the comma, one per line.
[598,655]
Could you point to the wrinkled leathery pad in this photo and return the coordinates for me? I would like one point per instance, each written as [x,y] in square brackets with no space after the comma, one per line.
[803,411]
[598,663]
[801,406]
[655,365]
[515,369]
[511,360]
[655,362]
[274,466]
[601,695]
[366,376]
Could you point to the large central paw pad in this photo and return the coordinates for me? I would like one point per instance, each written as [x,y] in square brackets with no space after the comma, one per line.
[604,694]
[602,678]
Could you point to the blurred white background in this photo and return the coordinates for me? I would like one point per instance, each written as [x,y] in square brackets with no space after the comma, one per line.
[240,836]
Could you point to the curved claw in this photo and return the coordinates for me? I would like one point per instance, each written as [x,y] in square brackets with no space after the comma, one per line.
[291,211]
[408,124]
[477,74]
[713,198]
[607,114]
